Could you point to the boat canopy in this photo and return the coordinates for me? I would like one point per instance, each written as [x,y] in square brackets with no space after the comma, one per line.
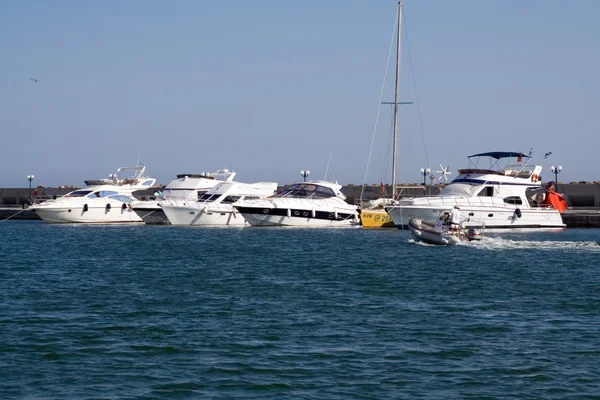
[501,154]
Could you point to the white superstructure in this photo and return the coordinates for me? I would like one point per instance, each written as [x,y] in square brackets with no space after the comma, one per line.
[215,207]
[505,193]
[306,204]
[102,201]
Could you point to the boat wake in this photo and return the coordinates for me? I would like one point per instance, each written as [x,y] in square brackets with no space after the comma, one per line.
[498,243]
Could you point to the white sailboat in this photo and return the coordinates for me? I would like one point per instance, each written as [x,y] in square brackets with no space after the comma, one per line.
[374,214]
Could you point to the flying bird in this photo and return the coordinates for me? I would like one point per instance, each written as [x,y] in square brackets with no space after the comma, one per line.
[35,80]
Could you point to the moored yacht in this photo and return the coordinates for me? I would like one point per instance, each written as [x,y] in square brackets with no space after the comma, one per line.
[307,204]
[101,201]
[504,193]
[215,207]
[186,187]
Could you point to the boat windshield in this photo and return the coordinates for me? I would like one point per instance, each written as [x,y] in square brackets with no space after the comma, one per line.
[307,190]
[103,193]
[79,193]
[230,199]
[210,197]
[121,197]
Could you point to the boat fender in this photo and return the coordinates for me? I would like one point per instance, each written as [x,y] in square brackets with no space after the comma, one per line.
[289,212]
[314,213]
[335,215]
[518,213]
[535,178]
[85,207]
[124,206]
[108,206]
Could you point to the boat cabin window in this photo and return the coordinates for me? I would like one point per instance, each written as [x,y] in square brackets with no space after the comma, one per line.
[79,193]
[201,193]
[121,197]
[148,182]
[487,191]
[513,200]
[230,199]
[518,171]
[210,197]
[309,190]
[103,193]
[324,192]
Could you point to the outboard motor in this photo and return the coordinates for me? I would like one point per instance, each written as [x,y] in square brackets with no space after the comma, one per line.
[473,234]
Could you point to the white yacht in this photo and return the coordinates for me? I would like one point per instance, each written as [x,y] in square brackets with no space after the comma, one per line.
[306,204]
[101,201]
[187,187]
[215,207]
[503,193]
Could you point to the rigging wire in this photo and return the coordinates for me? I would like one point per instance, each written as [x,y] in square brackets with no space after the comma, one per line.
[387,64]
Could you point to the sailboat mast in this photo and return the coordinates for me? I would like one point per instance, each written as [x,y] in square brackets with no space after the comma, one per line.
[396,103]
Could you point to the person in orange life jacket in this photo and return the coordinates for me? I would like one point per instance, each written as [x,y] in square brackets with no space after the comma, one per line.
[550,189]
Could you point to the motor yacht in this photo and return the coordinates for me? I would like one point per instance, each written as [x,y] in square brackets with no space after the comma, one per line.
[305,204]
[186,187]
[101,201]
[499,189]
[215,207]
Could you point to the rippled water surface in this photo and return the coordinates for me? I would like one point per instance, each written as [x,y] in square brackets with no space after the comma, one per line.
[143,312]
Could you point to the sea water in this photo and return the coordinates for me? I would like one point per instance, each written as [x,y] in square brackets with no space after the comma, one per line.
[151,312]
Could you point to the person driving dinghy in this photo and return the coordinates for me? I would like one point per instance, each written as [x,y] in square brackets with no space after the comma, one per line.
[442,221]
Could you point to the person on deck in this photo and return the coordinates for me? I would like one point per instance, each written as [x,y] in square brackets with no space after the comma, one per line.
[551,189]
[555,199]
[455,217]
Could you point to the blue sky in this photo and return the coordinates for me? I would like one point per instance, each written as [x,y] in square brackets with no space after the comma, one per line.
[269,87]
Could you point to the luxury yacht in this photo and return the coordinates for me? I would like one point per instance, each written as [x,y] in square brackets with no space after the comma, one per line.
[215,207]
[187,187]
[307,204]
[101,201]
[504,192]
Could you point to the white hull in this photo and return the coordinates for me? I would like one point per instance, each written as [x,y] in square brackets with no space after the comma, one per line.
[492,217]
[274,220]
[94,215]
[320,213]
[216,215]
